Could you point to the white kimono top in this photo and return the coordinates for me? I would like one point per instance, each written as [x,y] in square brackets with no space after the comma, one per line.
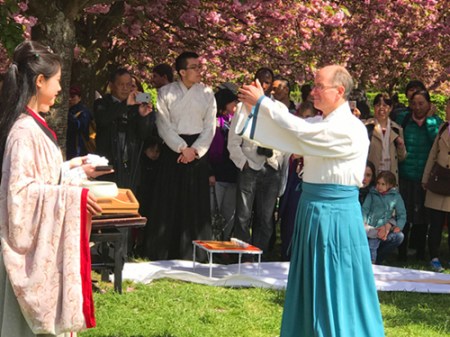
[334,148]
[183,111]
[44,241]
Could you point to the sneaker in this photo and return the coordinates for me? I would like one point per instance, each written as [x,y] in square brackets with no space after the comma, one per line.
[436,265]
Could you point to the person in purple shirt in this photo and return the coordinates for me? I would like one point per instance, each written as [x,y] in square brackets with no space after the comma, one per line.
[223,172]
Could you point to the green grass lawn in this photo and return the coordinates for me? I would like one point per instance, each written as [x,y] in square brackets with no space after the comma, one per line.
[415,314]
[168,308]
[174,309]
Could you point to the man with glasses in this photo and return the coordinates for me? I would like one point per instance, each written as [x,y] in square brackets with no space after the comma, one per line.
[186,121]
[331,289]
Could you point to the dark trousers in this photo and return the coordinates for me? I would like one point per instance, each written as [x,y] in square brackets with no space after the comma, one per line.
[437,220]
[379,249]
[261,187]
[416,228]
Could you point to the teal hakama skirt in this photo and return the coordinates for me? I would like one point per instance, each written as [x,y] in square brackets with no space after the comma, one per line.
[331,288]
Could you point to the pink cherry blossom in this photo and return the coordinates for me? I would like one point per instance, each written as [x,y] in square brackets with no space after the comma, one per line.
[23,6]
[98,9]
[383,42]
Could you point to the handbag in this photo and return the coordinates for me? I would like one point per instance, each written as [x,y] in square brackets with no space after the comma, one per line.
[439,180]
[218,222]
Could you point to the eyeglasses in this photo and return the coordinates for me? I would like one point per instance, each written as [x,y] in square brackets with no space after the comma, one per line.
[321,87]
[196,67]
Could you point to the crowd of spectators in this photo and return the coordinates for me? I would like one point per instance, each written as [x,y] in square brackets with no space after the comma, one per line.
[185,161]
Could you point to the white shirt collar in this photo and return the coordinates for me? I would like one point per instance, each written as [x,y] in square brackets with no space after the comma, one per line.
[342,109]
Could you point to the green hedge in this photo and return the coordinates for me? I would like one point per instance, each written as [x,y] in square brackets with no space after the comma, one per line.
[437,99]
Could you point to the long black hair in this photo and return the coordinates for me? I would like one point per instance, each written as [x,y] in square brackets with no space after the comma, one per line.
[30,60]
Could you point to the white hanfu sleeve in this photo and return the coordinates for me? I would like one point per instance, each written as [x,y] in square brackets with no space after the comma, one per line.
[165,129]
[271,125]
[205,138]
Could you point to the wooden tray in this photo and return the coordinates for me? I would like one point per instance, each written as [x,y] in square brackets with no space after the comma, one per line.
[226,246]
[124,202]
[108,221]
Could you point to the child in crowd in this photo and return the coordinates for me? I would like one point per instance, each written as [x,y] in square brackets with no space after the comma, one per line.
[384,216]
[368,181]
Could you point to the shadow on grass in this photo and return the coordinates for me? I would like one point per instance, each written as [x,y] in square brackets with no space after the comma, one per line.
[278,297]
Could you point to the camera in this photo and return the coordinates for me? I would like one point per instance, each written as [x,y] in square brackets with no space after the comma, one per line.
[142,97]
[263,151]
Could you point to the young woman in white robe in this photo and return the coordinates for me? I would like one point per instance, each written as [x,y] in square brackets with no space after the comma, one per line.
[45,286]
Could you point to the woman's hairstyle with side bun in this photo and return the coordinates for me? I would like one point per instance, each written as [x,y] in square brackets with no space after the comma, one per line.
[30,59]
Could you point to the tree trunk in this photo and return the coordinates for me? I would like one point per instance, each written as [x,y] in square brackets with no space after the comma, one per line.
[93,35]
[57,31]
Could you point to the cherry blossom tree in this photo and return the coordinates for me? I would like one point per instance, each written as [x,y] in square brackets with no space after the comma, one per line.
[393,41]
[11,31]
[384,43]
[234,39]
[51,23]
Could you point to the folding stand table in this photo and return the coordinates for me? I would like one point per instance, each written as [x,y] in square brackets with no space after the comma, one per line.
[105,230]
[230,247]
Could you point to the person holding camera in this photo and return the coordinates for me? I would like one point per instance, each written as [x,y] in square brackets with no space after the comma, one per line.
[258,182]
[122,123]
[123,120]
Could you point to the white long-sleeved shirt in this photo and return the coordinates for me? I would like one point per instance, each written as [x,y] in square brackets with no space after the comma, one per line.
[183,111]
[334,148]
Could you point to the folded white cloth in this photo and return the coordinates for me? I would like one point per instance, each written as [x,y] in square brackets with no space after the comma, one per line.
[96,160]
